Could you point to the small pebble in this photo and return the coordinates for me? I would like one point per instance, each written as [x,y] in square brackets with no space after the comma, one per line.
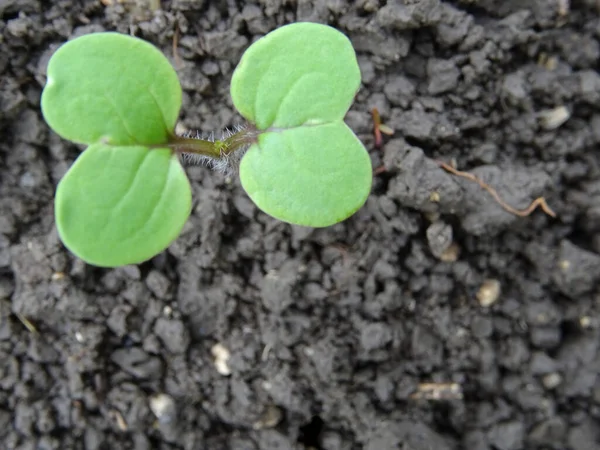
[163,407]
[552,380]
[551,119]
[585,322]
[439,238]
[221,355]
[451,253]
[488,293]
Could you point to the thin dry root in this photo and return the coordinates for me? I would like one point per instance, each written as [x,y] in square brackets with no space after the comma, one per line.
[540,201]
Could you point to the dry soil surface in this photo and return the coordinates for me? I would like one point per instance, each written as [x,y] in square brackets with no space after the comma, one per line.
[431,320]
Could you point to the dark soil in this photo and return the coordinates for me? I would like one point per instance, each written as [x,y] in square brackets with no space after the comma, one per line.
[431,320]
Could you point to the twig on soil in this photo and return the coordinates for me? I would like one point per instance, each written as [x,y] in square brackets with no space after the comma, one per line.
[438,391]
[265,353]
[27,324]
[376,124]
[176,56]
[379,170]
[118,418]
[100,386]
[538,202]
[379,128]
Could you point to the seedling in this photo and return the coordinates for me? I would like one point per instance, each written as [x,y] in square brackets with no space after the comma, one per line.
[127,197]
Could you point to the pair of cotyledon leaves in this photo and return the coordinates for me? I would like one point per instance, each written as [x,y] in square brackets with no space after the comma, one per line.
[126,198]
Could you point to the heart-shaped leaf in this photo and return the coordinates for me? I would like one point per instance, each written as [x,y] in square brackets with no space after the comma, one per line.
[297,84]
[299,74]
[112,88]
[300,177]
[122,205]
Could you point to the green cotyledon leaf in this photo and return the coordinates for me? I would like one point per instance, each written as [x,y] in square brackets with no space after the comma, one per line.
[122,205]
[111,88]
[300,73]
[296,85]
[314,176]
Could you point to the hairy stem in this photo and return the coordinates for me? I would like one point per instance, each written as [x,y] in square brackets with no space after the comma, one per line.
[215,148]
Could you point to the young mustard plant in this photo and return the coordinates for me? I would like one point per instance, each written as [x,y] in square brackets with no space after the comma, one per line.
[127,197]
